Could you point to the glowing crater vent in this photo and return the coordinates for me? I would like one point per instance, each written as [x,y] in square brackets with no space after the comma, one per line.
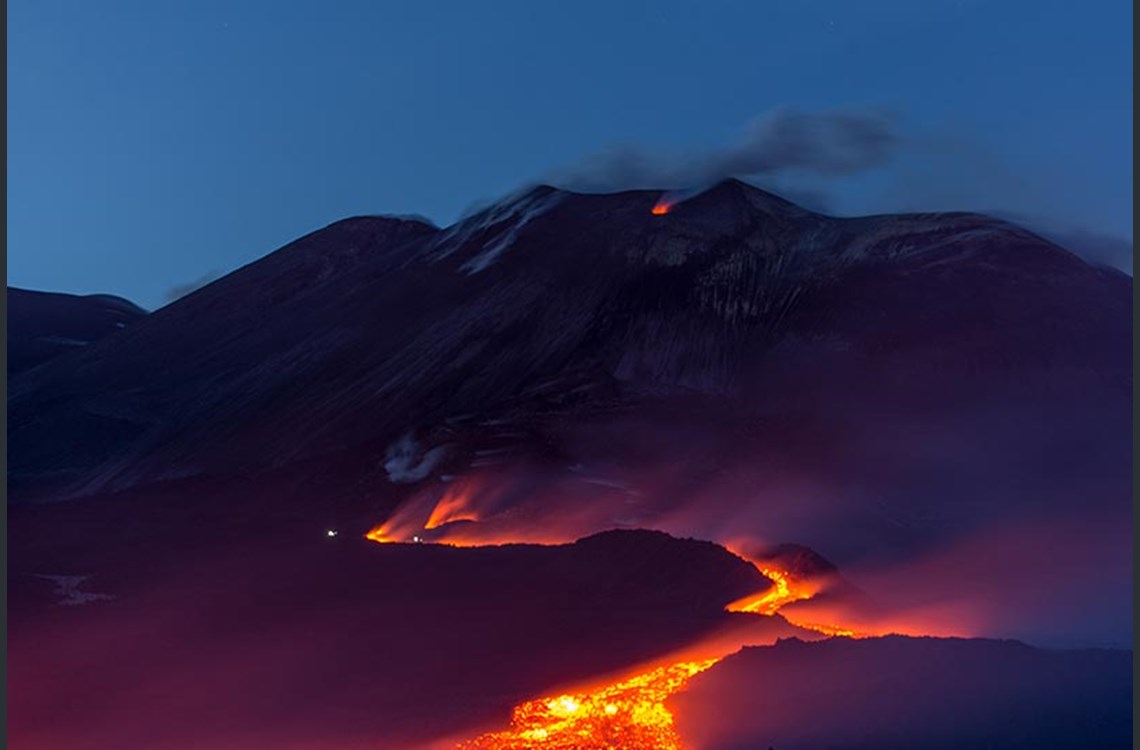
[629,715]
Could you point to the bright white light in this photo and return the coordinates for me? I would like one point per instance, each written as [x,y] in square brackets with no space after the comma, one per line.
[331,532]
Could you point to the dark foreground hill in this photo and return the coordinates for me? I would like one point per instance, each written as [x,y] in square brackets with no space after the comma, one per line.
[312,642]
[44,325]
[905,693]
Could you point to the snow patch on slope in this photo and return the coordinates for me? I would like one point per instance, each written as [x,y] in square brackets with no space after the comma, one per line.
[494,230]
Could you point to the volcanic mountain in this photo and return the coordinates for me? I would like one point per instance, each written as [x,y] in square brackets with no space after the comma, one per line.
[906,378]
[552,302]
[938,403]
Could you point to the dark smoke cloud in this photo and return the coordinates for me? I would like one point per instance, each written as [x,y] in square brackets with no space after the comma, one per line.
[827,144]
[804,156]
[181,290]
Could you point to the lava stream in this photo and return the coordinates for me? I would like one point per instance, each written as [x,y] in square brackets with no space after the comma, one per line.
[786,590]
[630,714]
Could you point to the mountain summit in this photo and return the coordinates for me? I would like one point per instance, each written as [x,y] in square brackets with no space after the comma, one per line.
[549,307]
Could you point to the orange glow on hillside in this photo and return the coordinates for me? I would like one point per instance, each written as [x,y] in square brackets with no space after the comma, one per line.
[380,534]
[453,506]
[786,590]
[662,207]
[630,715]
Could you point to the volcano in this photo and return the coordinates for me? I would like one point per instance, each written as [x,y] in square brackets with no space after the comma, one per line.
[551,307]
[912,424]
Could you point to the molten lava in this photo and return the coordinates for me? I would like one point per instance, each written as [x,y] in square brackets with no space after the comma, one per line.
[786,590]
[629,715]
[662,207]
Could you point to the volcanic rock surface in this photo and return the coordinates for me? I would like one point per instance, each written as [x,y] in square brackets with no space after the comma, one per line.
[552,306]
[940,402]
[879,389]
[44,325]
[306,643]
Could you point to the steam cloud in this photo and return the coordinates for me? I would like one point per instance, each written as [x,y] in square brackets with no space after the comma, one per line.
[828,144]
[404,464]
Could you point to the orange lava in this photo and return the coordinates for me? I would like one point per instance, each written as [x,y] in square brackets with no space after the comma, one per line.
[662,207]
[786,590]
[630,715]
[380,534]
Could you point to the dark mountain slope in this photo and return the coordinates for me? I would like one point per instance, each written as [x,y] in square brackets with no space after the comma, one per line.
[44,325]
[552,302]
[894,693]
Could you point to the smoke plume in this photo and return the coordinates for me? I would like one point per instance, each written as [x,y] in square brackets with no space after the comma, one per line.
[785,140]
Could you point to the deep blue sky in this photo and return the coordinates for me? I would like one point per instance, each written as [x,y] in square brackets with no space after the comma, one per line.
[153,142]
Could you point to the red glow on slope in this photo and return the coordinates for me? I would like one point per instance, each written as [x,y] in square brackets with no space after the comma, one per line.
[455,505]
[630,712]
[786,590]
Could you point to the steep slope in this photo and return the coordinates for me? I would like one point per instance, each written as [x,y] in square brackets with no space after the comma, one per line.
[939,390]
[551,301]
[44,325]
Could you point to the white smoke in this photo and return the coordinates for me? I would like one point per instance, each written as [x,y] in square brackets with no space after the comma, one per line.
[405,464]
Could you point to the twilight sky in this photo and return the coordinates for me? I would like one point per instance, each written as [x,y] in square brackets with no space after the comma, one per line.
[152,144]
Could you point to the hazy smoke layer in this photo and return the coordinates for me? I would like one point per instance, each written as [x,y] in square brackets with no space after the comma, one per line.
[827,143]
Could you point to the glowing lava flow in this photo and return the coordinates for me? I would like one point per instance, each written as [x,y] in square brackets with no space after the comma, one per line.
[786,590]
[629,715]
